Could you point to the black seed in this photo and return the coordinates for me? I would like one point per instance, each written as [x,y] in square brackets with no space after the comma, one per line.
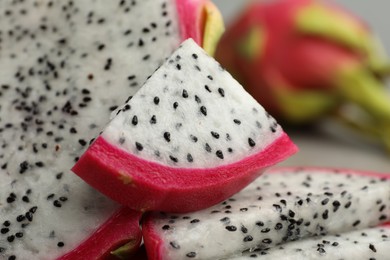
[335,244]
[265,230]
[203,110]
[63,199]
[266,241]
[167,136]
[231,228]
[60,244]
[248,238]
[207,88]
[19,234]
[197,99]
[194,221]
[175,105]
[4,230]
[325,201]
[372,248]
[82,142]
[207,147]
[260,223]
[236,121]
[178,67]
[184,94]
[153,120]
[191,254]
[210,77]
[189,158]
[173,159]
[57,203]
[221,92]
[291,213]
[325,214]
[195,56]
[33,209]
[29,216]
[278,226]
[357,222]
[194,138]
[244,229]
[174,245]
[20,218]
[251,142]
[219,154]
[139,146]
[156,100]
[214,134]
[348,204]
[134,121]
[11,238]
[166,227]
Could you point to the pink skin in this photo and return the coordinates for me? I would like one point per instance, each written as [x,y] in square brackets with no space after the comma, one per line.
[155,245]
[143,185]
[121,228]
[305,62]
[191,19]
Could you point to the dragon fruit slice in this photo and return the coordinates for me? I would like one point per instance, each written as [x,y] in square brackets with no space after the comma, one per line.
[64,66]
[282,205]
[373,243]
[189,138]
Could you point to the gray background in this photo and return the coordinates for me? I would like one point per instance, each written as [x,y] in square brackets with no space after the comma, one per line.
[329,145]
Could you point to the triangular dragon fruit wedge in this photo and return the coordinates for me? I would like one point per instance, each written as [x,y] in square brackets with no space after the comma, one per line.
[64,66]
[284,204]
[370,244]
[189,138]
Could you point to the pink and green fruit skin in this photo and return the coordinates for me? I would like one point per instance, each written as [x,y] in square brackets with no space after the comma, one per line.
[302,59]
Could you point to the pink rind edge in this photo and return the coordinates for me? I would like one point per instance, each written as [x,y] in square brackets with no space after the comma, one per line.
[144,185]
[119,229]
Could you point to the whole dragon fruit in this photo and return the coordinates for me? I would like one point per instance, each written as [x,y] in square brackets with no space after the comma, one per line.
[64,66]
[283,205]
[188,139]
[304,59]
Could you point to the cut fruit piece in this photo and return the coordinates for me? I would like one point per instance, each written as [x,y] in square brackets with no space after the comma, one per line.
[121,229]
[373,243]
[282,205]
[190,138]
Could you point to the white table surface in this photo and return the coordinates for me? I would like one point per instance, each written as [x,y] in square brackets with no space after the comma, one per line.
[325,145]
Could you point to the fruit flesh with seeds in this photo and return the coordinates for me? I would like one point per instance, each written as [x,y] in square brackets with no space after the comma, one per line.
[372,243]
[305,60]
[64,66]
[201,139]
[283,205]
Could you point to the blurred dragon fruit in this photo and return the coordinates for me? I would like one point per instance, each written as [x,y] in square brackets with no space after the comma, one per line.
[304,59]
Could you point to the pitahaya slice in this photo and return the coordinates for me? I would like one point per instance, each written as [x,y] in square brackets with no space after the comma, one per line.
[284,204]
[64,66]
[372,243]
[189,138]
